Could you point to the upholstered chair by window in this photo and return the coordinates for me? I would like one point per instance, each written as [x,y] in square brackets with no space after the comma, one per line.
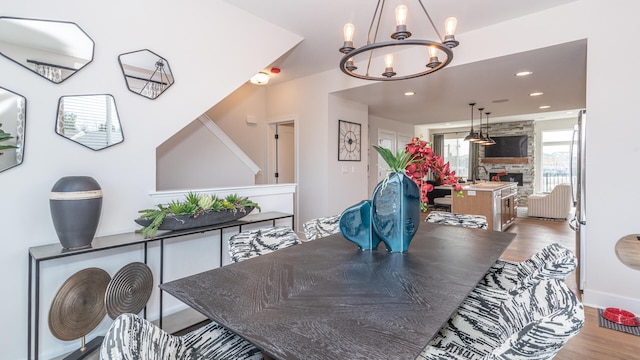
[553,205]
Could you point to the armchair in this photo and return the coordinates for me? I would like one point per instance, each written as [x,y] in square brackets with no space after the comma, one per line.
[554,205]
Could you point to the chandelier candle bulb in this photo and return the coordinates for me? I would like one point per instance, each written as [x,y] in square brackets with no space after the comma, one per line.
[433,57]
[348,30]
[450,26]
[388,62]
[401,15]
[350,65]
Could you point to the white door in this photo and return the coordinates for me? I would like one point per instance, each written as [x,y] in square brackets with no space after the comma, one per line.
[386,139]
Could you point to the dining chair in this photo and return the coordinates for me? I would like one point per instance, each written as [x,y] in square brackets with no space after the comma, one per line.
[533,324]
[464,220]
[249,244]
[553,261]
[131,337]
[321,227]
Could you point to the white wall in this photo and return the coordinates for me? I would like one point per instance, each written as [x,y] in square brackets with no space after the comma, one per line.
[190,34]
[346,180]
[307,100]
[194,158]
[612,154]
[231,114]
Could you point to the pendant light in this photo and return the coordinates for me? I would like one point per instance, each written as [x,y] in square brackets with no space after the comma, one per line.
[473,136]
[481,139]
[489,141]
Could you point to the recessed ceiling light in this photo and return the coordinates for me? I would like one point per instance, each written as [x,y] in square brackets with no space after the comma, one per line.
[524,73]
[544,107]
[536,93]
[409,93]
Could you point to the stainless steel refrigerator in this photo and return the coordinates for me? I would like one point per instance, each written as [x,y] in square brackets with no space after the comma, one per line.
[578,182]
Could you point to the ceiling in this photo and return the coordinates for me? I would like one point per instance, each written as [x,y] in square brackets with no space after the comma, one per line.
[441,97]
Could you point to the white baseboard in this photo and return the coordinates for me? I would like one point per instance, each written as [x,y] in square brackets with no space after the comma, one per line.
[598,299]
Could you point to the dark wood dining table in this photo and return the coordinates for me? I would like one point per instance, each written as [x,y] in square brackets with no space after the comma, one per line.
[326,299]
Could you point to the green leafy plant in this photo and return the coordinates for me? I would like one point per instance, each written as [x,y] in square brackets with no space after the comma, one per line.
[193,205]
[397,162]
[4,136]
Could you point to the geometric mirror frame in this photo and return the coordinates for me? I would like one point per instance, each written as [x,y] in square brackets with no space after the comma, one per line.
[146,73]
[13,117]
[55,50]
[89,120]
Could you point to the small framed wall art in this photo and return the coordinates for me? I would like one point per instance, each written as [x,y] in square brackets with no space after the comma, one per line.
[349,135]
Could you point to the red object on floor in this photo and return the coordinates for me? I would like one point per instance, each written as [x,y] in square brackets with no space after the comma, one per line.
[620,316]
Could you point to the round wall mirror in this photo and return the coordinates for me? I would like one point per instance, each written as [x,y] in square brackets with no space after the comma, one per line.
[89,120]
[628,251]
[13,115]
[54,50]
[146,73]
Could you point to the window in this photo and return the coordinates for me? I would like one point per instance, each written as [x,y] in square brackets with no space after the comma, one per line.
[556,158]
[456,152]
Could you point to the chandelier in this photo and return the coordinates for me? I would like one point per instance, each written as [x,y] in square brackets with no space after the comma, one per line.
[430,55]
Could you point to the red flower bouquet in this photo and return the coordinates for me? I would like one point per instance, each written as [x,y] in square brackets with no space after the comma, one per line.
[424,161]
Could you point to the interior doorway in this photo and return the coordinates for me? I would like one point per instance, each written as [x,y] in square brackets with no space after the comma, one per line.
[281,153]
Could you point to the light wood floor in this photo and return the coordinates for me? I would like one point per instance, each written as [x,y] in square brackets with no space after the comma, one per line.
[593,342]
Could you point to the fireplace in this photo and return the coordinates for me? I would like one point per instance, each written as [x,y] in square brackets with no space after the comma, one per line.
[509,177]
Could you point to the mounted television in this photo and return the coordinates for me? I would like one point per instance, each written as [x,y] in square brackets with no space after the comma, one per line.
[507,146]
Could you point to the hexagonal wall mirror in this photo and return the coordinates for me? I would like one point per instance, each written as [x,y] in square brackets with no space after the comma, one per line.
[13,115]
[54,50]
[89,120]
[146,73]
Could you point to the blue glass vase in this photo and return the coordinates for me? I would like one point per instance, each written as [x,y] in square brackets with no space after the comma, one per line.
[355,226]
[395,211]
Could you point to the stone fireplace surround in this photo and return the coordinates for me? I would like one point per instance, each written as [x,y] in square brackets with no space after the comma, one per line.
[510,165]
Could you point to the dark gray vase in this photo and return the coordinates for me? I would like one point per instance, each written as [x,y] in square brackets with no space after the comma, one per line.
[76,203]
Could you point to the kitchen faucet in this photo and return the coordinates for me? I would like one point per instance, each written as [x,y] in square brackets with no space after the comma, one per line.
[475,170]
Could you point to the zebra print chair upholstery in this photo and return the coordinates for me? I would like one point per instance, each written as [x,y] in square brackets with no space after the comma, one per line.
[464,220]
[533,324]
[248,244]
[132,338]
[321,227]
[553,261]
[505,278]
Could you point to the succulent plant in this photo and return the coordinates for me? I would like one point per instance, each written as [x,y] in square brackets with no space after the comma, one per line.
[193,205]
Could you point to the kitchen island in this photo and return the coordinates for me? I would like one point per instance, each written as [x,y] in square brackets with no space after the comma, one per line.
[496,200]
